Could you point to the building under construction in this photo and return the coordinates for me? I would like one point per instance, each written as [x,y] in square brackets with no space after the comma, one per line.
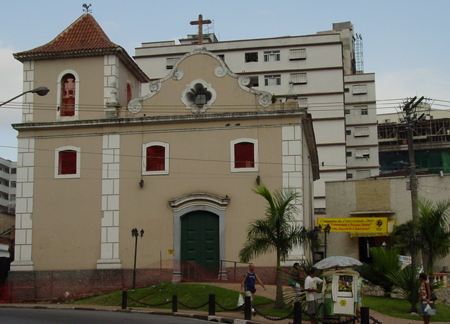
[431,146]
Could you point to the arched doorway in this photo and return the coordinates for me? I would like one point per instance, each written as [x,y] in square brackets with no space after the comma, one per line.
[200,255]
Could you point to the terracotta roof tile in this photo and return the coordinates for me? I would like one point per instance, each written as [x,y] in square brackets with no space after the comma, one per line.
[83,35]
[83,38]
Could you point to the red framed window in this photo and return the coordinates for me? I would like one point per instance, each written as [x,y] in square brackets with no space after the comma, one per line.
[244,155]
[67,162]
[156,158]
[68,95]
[129,92]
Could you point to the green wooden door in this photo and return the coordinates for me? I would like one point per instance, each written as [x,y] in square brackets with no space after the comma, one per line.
[200,238]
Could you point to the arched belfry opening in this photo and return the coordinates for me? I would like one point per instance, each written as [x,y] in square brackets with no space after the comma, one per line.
[199,236]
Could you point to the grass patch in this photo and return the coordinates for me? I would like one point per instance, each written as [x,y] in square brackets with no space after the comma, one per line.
[401,308]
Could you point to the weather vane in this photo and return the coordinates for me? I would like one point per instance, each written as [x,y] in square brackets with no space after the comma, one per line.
[86,8]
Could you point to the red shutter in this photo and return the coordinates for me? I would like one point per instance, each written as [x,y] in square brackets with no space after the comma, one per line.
[156,158]
[68,95]
[68,162]
[129,93]
[244,155]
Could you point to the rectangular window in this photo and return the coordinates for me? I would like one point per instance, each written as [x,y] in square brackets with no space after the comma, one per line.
[244,155]
[271,56]
[361,131]
[297,54]
[348,132]
[364,111]
[298,78]
[171,61]
[272,80]
[156,158]
[12,197]
[349,176]
[254,81]
[349,153]
[347,111]
[251,57]
[360,89]
[67,162]
[362,153]
[302,102]
[13,184]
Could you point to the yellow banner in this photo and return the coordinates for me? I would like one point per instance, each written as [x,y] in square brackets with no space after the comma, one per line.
[355,224]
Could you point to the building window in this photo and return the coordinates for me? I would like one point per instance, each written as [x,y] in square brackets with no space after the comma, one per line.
[302,102]
[244,155]
[349,176]
[346,90]
[13,184]
[251,57]
[272,80]
[298,78]
[359,89]
[129,92]
[67,162]
[361,131]
[171,61]
[362,153]
[349,153]
[364,111]
[12,197]
[155,158]
[254,81]
[348,132]
[13,170]
[68,95]
[347,111]
[297,54]
[271,56]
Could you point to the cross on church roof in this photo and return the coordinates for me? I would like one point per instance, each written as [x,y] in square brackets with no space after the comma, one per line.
[200,22]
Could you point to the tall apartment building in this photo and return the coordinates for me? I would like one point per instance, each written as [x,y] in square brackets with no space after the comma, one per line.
[7,186]
[323,72]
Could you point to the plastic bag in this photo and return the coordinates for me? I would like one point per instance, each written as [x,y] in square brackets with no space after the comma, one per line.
[240,300]
[429,310]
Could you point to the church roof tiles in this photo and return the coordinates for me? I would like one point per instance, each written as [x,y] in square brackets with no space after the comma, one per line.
[83,38]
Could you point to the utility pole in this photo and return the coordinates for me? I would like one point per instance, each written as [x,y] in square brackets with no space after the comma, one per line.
[410,121]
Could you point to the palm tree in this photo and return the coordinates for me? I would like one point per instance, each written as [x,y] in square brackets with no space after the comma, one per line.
[433,228]
[434,231]
[276,232]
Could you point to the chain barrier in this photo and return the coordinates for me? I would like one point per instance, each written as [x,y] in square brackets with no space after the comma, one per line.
[375,321]
[229,309]
[197,307]
[274,318]
[146,304]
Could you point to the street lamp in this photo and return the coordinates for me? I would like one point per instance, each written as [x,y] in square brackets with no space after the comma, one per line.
[135,233]
[41,91]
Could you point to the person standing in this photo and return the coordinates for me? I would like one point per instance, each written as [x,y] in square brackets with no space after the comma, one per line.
[248,283]
[360,293]
[311,290]
[295,275]
[424,296]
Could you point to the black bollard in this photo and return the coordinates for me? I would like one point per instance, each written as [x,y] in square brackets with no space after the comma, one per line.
[124,299]
[364,315]
[174,303]
[297,313]
[212,304]
[248,308]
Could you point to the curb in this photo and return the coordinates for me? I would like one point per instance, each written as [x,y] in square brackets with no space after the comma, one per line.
[212,318]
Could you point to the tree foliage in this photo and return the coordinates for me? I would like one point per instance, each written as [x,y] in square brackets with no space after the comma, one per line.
[275,232]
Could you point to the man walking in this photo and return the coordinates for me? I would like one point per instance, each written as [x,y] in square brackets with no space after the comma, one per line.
[311,290]
[248,283]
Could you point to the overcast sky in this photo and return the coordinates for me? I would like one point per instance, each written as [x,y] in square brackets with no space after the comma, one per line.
[406,43]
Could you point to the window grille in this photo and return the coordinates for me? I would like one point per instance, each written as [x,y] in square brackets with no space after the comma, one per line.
[297,54]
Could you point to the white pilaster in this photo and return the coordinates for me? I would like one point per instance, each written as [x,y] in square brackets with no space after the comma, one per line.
[109,252]
[24,206]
